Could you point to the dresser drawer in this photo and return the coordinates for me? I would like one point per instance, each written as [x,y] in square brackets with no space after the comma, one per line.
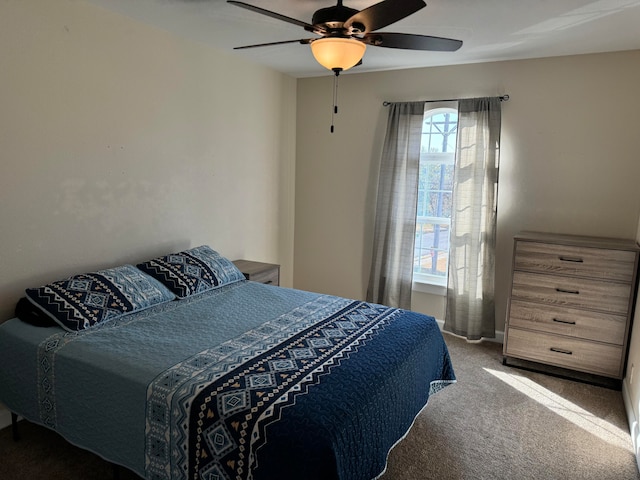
[260,272]
[566,352]
[572,292]
[270,277]
[597,263]
[583,324]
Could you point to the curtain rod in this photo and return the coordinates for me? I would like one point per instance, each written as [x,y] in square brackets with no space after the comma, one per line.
[503,98]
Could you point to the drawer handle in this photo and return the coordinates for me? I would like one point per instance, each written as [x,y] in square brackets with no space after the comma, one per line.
[561,350]
[570,259]
[568,322]
[564,290]
[268,282]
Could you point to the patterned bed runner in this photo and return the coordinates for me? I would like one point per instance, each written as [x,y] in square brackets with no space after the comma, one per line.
[206,417]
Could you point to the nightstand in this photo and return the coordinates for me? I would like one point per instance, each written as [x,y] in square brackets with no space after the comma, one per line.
[268,273]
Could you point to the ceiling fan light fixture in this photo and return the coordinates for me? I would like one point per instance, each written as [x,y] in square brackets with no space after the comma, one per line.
[336,53]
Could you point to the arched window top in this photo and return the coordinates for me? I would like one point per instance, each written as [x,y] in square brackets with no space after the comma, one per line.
[439,130]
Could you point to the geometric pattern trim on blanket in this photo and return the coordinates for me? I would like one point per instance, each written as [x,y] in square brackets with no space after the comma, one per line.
[84,300]
[192,271]
[168,396]
[221,421]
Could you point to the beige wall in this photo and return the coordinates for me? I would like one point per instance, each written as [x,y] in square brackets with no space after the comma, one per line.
[119,141]
[569,159]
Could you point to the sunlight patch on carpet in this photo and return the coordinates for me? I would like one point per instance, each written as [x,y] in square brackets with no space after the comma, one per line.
[566,409]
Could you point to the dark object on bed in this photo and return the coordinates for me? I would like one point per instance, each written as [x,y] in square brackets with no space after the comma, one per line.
[245,380]
[29,313]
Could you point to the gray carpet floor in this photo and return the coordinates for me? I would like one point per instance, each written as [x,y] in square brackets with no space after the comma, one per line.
[496,423]
[499,422]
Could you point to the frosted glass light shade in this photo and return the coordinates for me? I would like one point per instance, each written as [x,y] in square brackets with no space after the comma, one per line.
[338,53]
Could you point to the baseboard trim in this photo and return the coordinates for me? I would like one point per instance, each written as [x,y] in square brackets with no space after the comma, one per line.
[634,429]
[498,339]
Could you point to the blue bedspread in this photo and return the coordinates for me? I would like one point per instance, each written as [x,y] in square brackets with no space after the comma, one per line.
[248,381]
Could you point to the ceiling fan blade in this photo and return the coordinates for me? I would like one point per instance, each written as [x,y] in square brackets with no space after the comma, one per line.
[412,42]
[269,13]
[303,41]
[383,14]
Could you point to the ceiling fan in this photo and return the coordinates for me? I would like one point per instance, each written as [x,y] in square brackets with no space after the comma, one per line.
[344,32]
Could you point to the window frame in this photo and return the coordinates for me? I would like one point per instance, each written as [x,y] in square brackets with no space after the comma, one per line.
[425,282]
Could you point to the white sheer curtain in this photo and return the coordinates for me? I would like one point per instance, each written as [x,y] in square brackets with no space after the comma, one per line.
[470,308]
[395,224]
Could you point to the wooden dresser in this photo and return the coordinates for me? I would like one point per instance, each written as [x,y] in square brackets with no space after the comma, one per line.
[571,302]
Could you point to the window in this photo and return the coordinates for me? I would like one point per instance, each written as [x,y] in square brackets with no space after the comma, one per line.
[435,185]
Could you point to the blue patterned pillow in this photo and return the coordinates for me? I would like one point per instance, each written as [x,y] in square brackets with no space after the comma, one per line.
[82,301]
[192,271]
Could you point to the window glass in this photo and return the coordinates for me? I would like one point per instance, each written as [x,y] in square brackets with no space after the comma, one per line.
[435,186]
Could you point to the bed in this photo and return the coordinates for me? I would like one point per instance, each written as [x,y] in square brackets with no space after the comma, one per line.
[225,378]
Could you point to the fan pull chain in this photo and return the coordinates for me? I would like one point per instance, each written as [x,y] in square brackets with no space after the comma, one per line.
[334,109]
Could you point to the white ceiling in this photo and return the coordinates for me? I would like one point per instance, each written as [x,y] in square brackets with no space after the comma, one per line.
[490,29]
